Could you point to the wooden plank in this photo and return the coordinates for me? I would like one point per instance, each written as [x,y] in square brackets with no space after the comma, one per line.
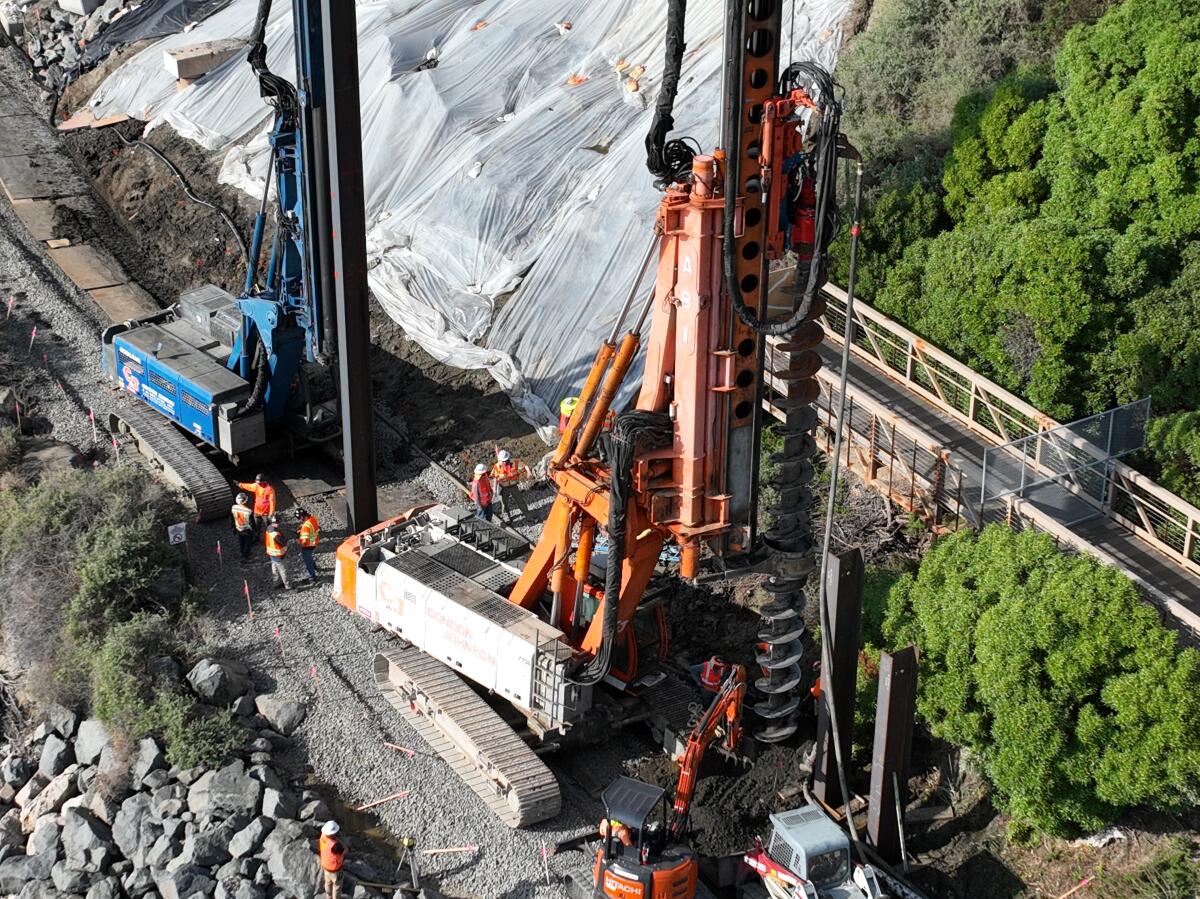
[122,302]
[23,135]
[42,217]
[88,267]
[40,177]
[85,119]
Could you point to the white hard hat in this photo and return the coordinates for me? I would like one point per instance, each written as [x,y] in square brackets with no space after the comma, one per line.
[330,828]
[503,455]
[241,497]
[480,468]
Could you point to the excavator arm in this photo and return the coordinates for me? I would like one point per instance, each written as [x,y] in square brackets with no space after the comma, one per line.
[723,719]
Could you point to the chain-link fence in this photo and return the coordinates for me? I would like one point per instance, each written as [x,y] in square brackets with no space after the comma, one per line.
[1075,455]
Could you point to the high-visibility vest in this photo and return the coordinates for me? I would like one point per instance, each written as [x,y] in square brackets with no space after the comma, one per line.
[310,533]
[332,853]
[620,832]
[264,497]
[241,517]
[507,474]
[712,673]
[276,548]
[481,490]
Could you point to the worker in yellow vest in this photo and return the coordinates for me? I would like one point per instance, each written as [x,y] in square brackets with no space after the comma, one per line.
[565,409]
[506,475]
[243,525]
[307,537]
[276,545]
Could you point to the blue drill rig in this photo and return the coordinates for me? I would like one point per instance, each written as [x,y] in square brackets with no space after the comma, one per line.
[217,374]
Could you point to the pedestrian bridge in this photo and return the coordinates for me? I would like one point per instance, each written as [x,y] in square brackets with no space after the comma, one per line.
[957,450]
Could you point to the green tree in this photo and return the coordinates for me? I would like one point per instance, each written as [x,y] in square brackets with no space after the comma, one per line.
[1173,442]
[1079,703]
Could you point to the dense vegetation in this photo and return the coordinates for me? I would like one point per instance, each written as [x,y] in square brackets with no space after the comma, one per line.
[90,606]
[1065,686]
[1036,209]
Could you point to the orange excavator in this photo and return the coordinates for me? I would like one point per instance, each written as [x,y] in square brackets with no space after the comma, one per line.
[640,858]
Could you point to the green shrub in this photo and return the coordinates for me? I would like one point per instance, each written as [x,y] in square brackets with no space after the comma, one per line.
[1173,442]
[130,698]
[1079,703]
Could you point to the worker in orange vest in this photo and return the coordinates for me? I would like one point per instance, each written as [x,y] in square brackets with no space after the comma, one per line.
[482,492]
[243,525]
[506,474]
[264,500]
[276,545]
[713,674]
[332,853]
[307,537]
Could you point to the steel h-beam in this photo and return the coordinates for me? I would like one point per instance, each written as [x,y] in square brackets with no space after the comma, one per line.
[893,750]
[844,590]
[348,208]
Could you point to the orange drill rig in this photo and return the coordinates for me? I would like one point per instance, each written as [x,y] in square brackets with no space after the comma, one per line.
[543,629]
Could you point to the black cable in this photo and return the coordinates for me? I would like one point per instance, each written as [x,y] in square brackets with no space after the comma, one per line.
[633,433]
[241,241]
[670,161]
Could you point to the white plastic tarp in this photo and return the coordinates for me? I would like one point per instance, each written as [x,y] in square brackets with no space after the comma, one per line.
[491,179]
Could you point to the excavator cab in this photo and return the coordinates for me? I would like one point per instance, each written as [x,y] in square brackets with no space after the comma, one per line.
[636,859]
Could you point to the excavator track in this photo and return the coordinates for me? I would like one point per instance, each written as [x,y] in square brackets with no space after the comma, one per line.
[468,734]
[180,460]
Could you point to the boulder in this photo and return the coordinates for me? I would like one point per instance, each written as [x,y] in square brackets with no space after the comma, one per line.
[50,799]
[138,882]
[316,810]
[291,868]
[68,879]
[103,808]
[247,840]
[108,888]
[225,792]
[239,889]
[45,837]
[163,852]
[189,776]
[266,776]
[15,771]
[32,787]
[39,889]
[12,838]
[284,832]
[134,830]
[173,828]
[112,766]
[165,668]
[284,715]
[86,841]
[278,804]
[186,883]
[84,778]
[218,682]
[168,801]
[243,706]
[56,756]
[92,740]
[19,870]
[203,849]
[62,720]
[149,758]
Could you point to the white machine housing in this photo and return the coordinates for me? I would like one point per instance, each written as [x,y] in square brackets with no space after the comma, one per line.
[424,582]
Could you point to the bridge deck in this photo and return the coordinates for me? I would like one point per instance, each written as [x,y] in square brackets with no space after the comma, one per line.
[1083,519]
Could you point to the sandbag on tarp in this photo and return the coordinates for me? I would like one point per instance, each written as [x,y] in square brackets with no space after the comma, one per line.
[153,19]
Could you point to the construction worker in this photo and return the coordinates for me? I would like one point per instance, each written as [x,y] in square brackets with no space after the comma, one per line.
[713,674]
[264,500]
[506,474]
[243,525]
[621,833]
[332,853]
[276,545]
[565,409]
[307,537]
[482,492]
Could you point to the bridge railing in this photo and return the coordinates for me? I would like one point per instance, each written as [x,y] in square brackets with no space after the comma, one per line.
[1131,499]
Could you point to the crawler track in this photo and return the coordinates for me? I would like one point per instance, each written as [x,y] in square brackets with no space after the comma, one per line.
[468,734]
[180,460]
